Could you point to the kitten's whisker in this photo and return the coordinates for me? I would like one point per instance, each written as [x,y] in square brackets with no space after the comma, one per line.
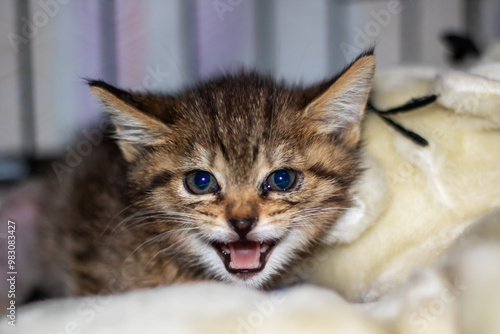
[113,232]
[163,222]
[314,214]
[160,218]
[180,213]
[319,212]
[180,222]
[301,211]
[170,215]
[323,209]
[307,212]
[185,207]
[333,209]
[312,217]
[161,251]
[152,214]
[159,236]
[142,215]
[304,223]
[169,212]
[126,208]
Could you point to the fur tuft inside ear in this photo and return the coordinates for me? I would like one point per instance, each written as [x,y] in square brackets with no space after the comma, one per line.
[134,128]
[340,108]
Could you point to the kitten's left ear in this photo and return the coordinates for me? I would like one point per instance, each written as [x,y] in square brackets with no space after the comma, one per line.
[134,128]
[339,110]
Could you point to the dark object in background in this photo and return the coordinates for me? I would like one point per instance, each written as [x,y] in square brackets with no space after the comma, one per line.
[460,46]
[413,104]
[14,169]
[36,294]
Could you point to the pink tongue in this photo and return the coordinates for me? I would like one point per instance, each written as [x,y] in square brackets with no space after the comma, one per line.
[244,254]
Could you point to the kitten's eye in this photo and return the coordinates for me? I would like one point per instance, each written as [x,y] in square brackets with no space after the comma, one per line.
[201,182]
[280,180]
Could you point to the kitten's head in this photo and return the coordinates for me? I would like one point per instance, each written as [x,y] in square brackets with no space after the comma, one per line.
[246,175]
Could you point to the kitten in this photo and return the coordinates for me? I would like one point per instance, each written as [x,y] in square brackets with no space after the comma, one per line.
[238,179]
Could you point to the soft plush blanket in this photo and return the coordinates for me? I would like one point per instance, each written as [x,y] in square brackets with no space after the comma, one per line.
[421,254]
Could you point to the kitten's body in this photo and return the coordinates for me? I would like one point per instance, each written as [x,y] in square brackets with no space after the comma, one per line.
[87,254]
[128,216]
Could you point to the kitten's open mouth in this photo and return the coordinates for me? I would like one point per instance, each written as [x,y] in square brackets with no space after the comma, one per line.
[242,257]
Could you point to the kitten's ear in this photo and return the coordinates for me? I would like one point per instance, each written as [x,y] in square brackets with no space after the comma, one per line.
[134,128]
[339,110]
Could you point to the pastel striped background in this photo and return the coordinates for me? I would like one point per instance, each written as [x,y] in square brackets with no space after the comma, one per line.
[125,41]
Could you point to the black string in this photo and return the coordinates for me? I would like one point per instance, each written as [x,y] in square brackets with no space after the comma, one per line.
[417,139]
[413,104]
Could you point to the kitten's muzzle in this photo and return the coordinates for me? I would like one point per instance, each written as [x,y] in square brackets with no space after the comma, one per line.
[245,257]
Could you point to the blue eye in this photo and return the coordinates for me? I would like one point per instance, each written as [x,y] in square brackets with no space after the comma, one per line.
[201,182]
[280,180]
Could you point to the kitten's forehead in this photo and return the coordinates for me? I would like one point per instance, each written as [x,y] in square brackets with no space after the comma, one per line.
[240,119]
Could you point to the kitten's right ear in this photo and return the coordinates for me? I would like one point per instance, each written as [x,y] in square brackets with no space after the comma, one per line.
[134,128]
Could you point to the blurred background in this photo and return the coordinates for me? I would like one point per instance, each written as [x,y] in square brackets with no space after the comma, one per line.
[48,47]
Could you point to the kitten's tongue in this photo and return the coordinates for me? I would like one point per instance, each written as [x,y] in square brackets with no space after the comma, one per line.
[244,254]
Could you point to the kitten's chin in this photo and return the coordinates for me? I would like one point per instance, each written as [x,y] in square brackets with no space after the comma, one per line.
[245,258]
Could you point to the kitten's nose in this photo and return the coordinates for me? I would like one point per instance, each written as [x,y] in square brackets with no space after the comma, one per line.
[242,226]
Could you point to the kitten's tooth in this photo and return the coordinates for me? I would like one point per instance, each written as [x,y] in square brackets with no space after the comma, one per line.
[224,247]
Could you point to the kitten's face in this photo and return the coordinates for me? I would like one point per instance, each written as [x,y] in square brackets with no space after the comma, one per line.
[249,175]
